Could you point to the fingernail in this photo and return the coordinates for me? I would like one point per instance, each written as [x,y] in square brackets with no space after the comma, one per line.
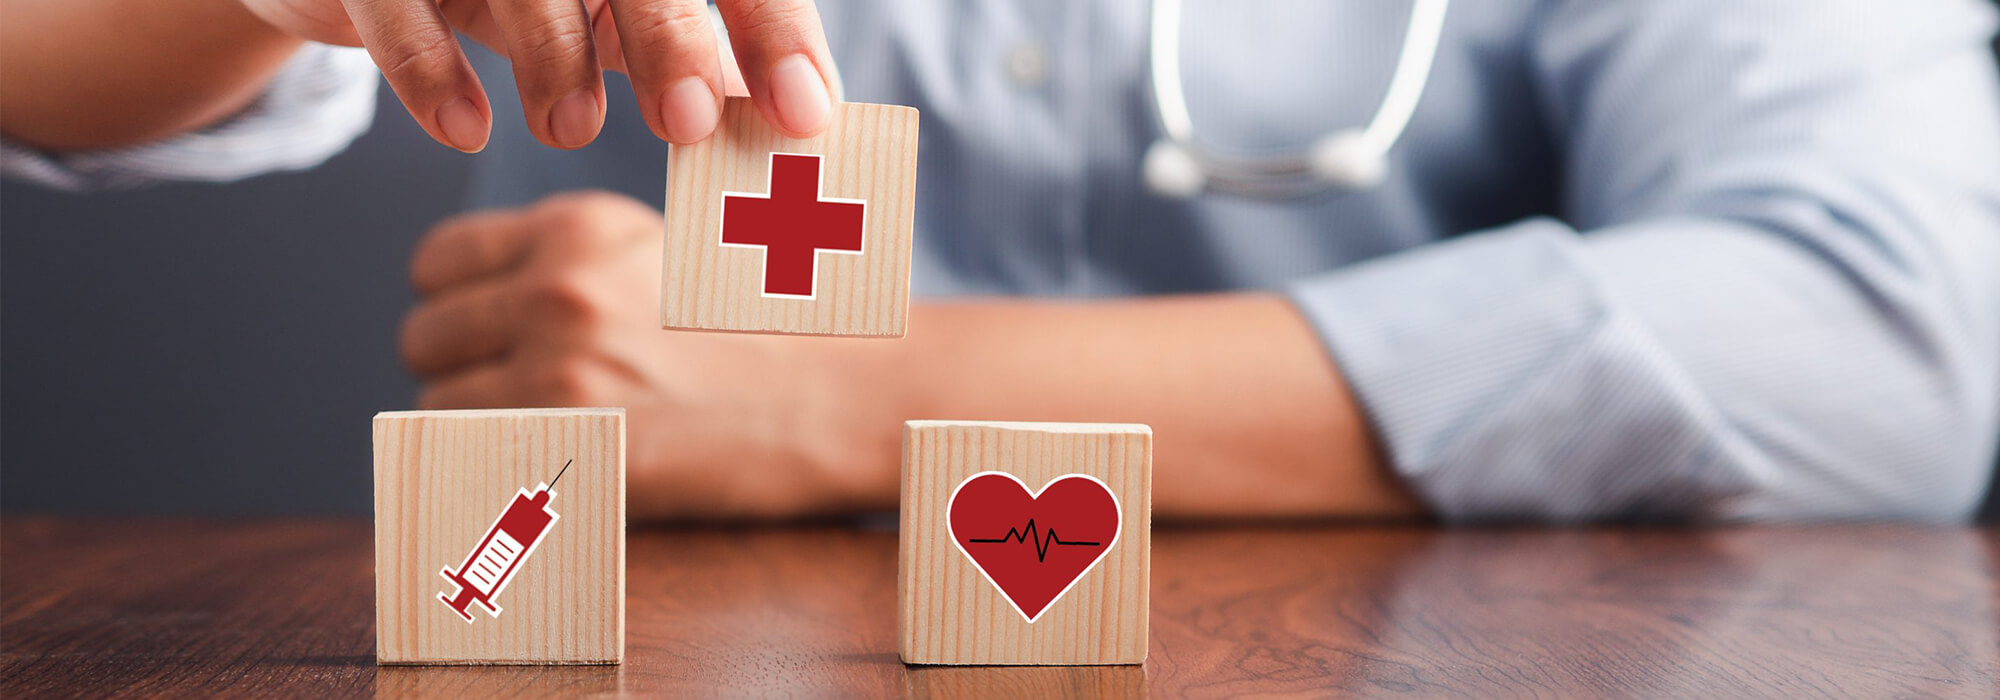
[463,128]
[574,120]
[688,111]
[799,95]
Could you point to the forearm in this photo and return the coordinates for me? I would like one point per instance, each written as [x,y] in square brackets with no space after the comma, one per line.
[84,74]
[1251,417]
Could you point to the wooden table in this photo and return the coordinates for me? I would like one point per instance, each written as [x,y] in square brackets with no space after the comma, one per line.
[283,608]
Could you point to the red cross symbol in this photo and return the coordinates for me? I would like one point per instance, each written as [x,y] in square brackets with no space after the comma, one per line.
[792,224]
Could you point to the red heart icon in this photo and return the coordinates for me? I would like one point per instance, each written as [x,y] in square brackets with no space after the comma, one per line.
[1033,546]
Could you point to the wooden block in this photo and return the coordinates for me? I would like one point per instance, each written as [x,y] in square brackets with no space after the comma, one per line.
[990,574]
[780,235]
[445,481]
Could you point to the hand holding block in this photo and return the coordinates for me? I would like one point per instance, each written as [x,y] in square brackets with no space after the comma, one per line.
[500,536]
[779,235]
[1025,543]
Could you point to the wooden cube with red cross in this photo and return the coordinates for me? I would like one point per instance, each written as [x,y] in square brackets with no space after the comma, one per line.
[771,234]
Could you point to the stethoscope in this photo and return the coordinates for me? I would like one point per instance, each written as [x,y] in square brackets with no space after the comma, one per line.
[1177,166]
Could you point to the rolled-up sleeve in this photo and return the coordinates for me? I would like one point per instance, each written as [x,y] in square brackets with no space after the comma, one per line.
[1774,292]
[318,103]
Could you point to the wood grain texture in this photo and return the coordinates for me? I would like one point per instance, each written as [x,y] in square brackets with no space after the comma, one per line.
[870,154]
[118,607]
[442,477]
[949,613]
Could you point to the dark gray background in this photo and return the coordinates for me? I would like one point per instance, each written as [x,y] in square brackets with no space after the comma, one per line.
[215,348]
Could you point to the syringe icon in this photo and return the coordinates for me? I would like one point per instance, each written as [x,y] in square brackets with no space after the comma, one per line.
[513,536]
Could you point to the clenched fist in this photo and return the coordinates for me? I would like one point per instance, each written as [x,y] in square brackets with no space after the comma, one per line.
[558,305]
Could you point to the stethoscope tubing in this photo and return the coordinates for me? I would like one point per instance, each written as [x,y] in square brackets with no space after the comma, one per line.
[1344,159]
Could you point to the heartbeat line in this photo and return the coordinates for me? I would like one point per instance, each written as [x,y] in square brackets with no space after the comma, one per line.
[1042,544]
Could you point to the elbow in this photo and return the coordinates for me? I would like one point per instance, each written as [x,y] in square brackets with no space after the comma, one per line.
[1935,469]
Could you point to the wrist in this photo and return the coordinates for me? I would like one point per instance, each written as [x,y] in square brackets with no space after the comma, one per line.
[865,392]
[248,21]
[290,22]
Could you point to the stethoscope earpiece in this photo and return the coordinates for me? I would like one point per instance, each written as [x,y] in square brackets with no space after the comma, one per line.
[1172,172]
[1346,159]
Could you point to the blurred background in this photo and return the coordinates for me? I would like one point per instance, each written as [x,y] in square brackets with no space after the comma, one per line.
[215,349]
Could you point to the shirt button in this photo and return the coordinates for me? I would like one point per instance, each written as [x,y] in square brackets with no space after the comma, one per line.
[1028,65]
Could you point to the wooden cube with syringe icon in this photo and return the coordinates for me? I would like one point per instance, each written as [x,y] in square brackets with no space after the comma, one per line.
[449,480]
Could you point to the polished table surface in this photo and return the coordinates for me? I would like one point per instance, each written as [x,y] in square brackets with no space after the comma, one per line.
[98,607]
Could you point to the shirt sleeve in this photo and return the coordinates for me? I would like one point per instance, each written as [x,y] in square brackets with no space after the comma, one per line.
[1774,292]
[315,106]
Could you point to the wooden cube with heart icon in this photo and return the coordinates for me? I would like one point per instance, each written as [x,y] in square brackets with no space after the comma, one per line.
[1025,543]
[772,234]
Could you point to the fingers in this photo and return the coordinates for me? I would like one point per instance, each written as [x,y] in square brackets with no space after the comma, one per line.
[485,386]
[416,51]
[603,26]
[556,69]
[469,325]
[504,318]
[522,383]
[732,79]
[470,247]
[781,48]
[474,19]
[670,52]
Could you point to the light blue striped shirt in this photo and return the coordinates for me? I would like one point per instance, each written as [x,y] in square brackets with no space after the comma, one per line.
[1715,259]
